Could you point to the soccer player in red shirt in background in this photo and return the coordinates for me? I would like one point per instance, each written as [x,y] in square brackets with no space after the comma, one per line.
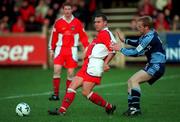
[96,60]
[63,44]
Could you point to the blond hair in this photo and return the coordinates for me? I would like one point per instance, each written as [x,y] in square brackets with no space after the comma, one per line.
[147,21]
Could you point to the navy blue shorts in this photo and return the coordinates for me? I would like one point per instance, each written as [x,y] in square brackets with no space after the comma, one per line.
[155,70]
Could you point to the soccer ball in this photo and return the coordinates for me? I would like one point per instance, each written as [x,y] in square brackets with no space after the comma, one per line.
[23,109]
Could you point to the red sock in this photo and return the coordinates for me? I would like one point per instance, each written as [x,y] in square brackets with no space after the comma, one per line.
[98,100]
[68,82]
[68,99]
[108,106]
[56,82]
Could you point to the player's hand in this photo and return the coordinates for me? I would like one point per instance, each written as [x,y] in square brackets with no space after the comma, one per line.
[116,46]
[120,36]
[106,67]
[51,54]
[84,53]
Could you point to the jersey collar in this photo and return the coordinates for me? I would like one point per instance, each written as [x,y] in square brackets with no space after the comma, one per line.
[72,17]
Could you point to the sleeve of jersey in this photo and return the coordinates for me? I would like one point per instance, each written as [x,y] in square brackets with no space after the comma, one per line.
[139,50]
[83,36]
[132,42]
[53,38]
[105,39]
[112,41]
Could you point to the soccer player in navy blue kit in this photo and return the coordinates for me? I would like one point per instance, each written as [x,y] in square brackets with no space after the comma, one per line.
[150,45]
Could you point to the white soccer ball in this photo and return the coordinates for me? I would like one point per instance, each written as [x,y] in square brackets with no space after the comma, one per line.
[23,109]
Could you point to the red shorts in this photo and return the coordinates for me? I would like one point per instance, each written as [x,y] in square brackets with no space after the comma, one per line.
[65,59]
[86,77]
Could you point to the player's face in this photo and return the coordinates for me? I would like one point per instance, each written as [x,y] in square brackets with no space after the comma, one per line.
[140,27]
[99,23]
[67,11]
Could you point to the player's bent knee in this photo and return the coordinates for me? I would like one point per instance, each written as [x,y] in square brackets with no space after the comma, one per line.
[57,72]
[130,81]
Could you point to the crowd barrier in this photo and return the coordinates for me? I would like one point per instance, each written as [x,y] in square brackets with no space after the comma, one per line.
[31,49]
[23,49]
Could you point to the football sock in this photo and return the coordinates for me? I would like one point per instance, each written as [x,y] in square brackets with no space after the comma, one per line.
[68,82]
[129,100]
[98,100]
[68,99]
[56,82]
[136,94]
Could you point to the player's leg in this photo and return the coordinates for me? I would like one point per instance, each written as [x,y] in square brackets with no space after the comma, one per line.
[135,92]
[69,96]
[151,73]
[96,98]
[129,95]
[56,81]
[70,75]
[71,64]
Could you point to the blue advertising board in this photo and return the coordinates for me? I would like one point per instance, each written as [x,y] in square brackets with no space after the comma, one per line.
[173,47]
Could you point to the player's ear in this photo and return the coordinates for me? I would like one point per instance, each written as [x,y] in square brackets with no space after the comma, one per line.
[105,23]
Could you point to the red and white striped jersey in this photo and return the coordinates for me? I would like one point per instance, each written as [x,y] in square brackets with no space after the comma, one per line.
[67,34]
[105,37]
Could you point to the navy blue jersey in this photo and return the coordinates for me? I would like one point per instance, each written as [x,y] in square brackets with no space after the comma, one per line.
[149,45]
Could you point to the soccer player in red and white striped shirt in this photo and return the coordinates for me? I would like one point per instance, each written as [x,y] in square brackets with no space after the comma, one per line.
[96,60]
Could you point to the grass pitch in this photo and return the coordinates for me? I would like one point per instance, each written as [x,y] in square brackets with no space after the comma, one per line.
[159,103]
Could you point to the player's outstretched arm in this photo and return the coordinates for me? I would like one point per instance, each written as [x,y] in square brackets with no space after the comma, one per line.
[116,46]
[120,36]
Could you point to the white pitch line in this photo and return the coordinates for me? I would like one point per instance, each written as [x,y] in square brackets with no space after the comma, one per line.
[98,87]
[28,95]
[157,94]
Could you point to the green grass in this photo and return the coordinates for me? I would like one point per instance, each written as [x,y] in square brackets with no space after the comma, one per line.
[159,103]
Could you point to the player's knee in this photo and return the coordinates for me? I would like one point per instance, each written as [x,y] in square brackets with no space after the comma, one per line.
[57,71]
[70,76]
[56,75]
[130,81]
[70,72]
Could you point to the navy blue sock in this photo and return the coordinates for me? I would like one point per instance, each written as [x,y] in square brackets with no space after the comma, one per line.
[136,94]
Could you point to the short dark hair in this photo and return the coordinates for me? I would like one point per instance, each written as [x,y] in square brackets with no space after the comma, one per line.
[147,21]
[101,15]
[67,4]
